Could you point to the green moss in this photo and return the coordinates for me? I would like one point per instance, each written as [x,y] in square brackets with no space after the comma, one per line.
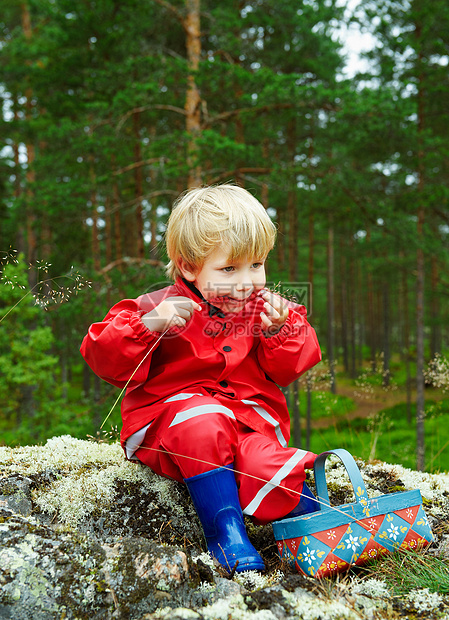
[8,489]
[396,489]
[339,494]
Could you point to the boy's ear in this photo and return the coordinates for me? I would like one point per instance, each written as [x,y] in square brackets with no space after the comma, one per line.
[188,272]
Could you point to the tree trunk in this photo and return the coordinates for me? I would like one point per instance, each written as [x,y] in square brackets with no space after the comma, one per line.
[310,271]
[292,236]
[309,409]
[108,241]
[330,304]
[108,229]
[138,187]
[20,236]
[386,347]
[360,315]
[96,415]
[116,206]
[435,334]
[30,217]
[286,392]
[193,100]
[420,276]
[95,242]
[344,309]
[64,370]
[87,380]
[296,415]
[352,317]
[154,253]
[264,191]
[292,213]
[280,245]
[420,402]
[239,139]
[370,308]
[27,408]
[311,274]
[406,348]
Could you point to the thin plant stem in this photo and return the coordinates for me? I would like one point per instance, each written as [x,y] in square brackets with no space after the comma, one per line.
[130,379]
[32,289]
[16,304]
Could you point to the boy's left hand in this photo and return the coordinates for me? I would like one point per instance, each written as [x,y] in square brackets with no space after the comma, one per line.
[276,312]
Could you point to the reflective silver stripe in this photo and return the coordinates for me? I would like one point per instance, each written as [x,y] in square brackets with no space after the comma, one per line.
[274,482]
[134,442]
[269,418]
[193,412]
[181,396]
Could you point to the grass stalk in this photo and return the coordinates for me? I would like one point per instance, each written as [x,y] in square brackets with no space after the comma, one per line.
[412,570]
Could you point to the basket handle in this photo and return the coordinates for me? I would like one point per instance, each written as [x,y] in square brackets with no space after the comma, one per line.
[353,471]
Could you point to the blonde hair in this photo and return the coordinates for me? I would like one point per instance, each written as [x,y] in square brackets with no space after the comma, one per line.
[204,217]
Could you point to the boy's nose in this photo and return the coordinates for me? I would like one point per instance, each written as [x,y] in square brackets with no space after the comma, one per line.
[244,286]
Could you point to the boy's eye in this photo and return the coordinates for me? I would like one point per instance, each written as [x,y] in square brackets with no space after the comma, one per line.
[228,269]
[257,265]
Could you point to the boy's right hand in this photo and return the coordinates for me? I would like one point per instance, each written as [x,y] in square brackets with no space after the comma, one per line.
[173,311]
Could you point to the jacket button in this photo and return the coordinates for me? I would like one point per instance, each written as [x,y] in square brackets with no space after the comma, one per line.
[227,348]
[224,384]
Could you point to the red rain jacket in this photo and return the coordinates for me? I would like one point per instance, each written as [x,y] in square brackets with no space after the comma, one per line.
[227,357]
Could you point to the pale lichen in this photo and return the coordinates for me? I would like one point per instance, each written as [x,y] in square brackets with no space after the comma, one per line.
[168,612]
[433,487]
[206,558]
[424,600]
[253,580]
[83,477]
[59,454]
[376,588]
[370,598]
[310,607]
[234,608]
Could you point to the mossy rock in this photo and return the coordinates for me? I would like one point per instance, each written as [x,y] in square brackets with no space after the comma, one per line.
[109,540]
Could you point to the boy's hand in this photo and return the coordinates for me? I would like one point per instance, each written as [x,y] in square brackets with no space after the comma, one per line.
[173,311]
[276,312]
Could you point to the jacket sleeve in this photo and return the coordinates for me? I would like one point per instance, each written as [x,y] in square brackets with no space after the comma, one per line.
[292,351]
[115,347]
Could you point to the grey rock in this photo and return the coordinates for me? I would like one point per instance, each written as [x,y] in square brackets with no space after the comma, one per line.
[48,573]
[132,550]
[226,589]
[15,494]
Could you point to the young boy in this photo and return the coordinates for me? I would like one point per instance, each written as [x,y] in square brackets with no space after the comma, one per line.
[203,406]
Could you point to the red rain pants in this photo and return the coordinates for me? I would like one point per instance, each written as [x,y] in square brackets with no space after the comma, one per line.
[194,433]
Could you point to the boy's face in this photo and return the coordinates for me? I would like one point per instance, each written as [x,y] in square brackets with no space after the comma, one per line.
[225,284]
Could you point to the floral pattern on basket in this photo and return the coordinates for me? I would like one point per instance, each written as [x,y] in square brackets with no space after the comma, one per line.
[332,539]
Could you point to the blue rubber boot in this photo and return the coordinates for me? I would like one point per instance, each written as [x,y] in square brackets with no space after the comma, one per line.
[307,503]
[214,495]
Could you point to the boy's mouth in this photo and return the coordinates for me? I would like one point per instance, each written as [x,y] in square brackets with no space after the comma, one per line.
[232,300]
[237,302]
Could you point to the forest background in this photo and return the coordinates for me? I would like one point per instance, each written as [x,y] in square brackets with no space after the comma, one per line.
[112,108]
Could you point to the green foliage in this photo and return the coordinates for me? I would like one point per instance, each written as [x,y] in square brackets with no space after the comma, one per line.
[324,404]
[390,437]
[28,369]
[95,135]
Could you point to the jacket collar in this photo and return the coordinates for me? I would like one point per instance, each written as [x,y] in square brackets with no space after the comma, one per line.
[213,310]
